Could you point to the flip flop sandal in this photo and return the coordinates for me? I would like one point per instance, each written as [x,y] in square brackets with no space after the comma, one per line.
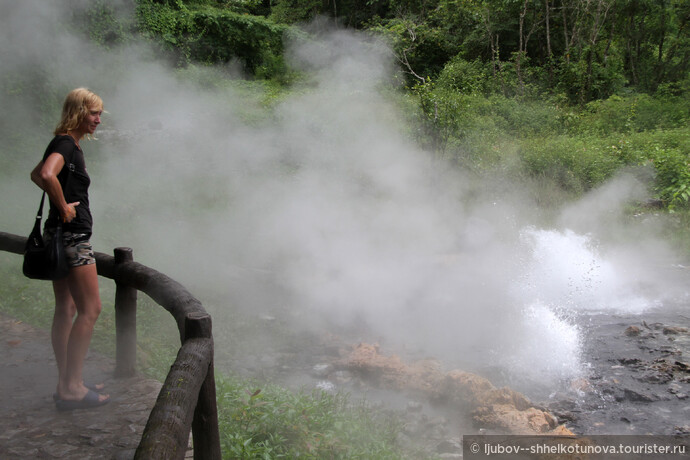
[91,400]
[90,386]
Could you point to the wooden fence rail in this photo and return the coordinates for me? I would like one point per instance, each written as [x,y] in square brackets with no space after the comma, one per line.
[187,400]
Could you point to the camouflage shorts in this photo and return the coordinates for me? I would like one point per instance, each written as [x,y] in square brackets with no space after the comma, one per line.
[77,247]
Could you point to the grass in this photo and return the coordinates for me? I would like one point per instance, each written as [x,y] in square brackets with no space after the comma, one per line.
[267,421]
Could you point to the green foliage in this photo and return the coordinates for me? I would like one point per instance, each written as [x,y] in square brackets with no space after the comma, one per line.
[637,113]
[106,24]
[422,49]
[677,229]
[611,135]
[576,164]
[585,79]
[267,421]
[27,300]
[295,11]
[212,35]
[575,150]
[225,35]
[673,176]
[475,130]
[466,77]
[587,50]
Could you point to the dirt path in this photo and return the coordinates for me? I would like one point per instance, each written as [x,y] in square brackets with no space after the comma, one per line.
[30,425]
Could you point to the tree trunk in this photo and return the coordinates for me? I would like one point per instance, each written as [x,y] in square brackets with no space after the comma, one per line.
[518,60]
[549,54]
[630,46]
[565,34]
[660,53]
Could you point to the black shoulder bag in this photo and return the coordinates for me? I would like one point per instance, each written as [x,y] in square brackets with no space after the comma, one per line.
[45,261]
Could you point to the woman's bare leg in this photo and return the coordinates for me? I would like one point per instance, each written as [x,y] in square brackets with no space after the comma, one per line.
[62,324]
[82,283]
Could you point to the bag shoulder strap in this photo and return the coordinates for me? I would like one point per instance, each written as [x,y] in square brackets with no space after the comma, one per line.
[39,214]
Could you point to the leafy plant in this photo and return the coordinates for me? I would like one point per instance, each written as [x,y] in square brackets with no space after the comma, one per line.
[673,177]
[272,422]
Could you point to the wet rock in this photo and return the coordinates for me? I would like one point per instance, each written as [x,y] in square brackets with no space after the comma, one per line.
[436,429]
[325,385]
[412,428]
[341,377]
[58,451]
[507,419]
[321,370]
[564,416]
[502,409]
[633,331]
[681,366]
[674,388]
[671,330]
[414,406]
[127,454]
[656,377]
[637,396]
[23,453]
[580,385]
[449,446]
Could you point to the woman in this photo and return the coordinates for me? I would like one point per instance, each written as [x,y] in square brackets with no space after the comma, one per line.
[62,175]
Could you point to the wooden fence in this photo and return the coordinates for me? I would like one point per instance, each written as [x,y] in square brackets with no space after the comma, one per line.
[187,400]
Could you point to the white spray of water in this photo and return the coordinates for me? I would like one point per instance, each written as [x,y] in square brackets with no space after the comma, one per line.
[567,270]
[326,211]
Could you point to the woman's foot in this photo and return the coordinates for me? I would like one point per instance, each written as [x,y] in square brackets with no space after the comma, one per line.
[94,386]
[97,387]
[90,400]
[80,392]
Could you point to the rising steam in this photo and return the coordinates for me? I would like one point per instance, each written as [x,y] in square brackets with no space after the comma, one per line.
[324,207]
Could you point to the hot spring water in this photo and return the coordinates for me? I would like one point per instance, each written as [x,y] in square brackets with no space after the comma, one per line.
[566,279]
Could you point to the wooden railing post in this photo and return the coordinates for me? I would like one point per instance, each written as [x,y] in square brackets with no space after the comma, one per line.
[205,423]
[125,321]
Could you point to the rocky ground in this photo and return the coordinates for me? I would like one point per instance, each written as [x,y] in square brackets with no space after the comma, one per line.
[639,377]
[636,382]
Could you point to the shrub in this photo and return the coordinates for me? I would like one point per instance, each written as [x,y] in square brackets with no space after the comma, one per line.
[636,113]
[577,164]
[465,77]
[673,176]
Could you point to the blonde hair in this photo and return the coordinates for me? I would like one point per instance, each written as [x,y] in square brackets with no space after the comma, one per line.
[76,106]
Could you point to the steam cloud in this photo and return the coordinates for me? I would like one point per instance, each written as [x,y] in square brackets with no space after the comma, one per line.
[324,208]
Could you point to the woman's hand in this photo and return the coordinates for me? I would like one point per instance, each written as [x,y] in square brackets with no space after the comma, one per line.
[69,212]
